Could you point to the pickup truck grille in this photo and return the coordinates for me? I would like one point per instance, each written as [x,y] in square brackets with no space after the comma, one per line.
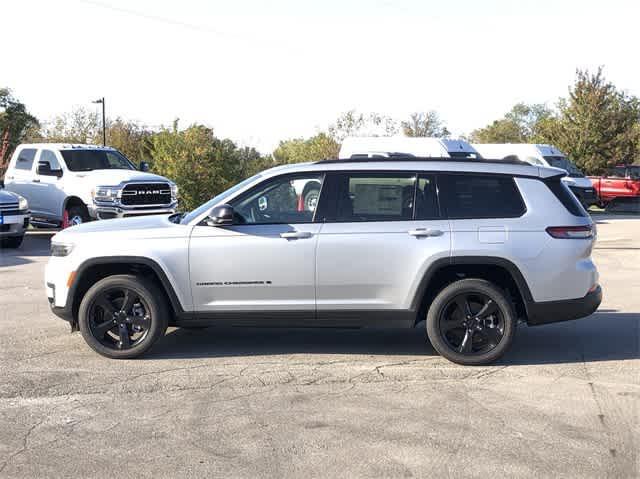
[145,194]
[5,208]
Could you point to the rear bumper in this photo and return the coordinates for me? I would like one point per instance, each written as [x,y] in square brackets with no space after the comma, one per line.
[556,311]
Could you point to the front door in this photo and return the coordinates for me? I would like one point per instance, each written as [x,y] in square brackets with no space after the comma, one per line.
[265,263]
[379,237]
[49,195]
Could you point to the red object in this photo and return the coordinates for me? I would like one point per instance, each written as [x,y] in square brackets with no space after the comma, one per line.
[65,219]
[570,232]
[300,203]
[618,183]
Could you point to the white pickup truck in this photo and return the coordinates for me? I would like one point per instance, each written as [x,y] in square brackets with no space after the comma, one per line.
[71,184]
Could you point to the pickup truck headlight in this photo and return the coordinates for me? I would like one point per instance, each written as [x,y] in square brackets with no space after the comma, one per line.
[174,192]
[105,193]
[23,204]
[61,249]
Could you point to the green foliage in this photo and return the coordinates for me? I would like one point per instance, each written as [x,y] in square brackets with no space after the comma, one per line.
[131,139]
[520,125]
[426,124]
[14,119]
[597,126]
[201,164]
[299,150]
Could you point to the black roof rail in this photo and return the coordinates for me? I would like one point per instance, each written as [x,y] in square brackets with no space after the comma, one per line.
[398,157]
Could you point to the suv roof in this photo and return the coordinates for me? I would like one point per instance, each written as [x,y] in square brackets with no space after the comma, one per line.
[66,146]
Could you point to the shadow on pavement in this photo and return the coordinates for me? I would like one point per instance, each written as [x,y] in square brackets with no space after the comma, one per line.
[604,336]
[35,244]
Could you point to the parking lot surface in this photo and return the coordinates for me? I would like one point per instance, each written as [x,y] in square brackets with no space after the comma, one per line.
[322,403]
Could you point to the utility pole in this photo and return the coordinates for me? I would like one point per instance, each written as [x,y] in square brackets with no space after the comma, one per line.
[104,124]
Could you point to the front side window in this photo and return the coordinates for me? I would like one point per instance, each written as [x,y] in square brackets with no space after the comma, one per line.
[372,197]
[466,196]
[25,159]
[283,200]
[89,160]
[49,156]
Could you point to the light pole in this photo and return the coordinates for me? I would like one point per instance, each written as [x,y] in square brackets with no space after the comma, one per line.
[104,126]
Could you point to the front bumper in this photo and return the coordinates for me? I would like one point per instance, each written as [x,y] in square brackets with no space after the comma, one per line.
[586,196]
[556,311]
[14,224]
[106,211]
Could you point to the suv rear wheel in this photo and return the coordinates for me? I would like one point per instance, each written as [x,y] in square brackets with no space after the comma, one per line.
[122,316]
[471,322]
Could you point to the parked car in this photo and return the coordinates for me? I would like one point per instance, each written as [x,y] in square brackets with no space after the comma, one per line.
[468,248]
[619,184]
[390,146]
[72,184]
[14,218]
[544,155]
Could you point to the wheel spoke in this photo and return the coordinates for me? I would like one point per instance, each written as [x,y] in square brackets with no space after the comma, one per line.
[492,335]
[489,308]
[123,332]
[449,324]
[128,301]
[106,305]
[463,305]
[466,346]
[103,327]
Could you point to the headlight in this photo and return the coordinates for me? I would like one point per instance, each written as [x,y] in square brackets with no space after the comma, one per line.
[23,204]
[61,249]
[174,192]
[105,193]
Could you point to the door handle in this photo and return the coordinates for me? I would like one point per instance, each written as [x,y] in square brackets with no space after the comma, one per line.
[424,232]
[36,180]
[296,235]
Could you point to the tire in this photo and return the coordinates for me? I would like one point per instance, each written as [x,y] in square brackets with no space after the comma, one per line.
[75,215]
[460,334]
[12,242]
[145,298]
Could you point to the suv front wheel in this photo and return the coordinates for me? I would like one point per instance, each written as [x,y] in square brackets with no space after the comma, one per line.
[122,316]
[471,322]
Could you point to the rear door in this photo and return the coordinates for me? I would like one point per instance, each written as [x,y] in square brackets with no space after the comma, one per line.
[381,232]
[19,177]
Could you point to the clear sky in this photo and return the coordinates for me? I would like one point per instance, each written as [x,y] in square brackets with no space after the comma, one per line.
[259,71]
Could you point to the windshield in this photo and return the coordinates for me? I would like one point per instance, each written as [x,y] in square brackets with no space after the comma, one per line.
[566,165]
[89,160]
[217,199]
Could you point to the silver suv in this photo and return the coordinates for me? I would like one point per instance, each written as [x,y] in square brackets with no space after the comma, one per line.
[468,247]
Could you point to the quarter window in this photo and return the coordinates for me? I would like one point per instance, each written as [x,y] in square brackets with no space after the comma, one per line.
[284,200]
[25,159]
[372,197]
[480,196]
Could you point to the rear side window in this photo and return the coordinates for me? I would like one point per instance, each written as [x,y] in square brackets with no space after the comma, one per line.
[371,197]
[566,197]
[467,196]
[25,159]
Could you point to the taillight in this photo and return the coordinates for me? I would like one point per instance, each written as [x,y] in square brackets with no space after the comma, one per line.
[571,232]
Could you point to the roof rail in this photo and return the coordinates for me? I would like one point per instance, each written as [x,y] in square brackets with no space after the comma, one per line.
[404,157]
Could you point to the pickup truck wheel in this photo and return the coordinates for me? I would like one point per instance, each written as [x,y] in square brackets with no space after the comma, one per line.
[12,242]
[75,215]
[122,316]
[471,322]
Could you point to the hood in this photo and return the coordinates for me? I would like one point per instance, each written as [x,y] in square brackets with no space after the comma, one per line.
[115,177]
[8,197]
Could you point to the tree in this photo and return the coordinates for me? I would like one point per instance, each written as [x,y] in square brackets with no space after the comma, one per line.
[426,124]
[353,123]
[77,126]
[130,138]
[15,123]
[299,150]
[597,125]
[520,125]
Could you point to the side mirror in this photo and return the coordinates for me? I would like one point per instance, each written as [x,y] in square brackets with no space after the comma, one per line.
[221,215]
[144,166]
[44,169]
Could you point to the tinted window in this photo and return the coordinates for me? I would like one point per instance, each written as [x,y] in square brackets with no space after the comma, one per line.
[50,157]
[88,160]
[427,199]
[287,199]
[566,197]
[480,196]
[618,172]
[25,159]
[371,197]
